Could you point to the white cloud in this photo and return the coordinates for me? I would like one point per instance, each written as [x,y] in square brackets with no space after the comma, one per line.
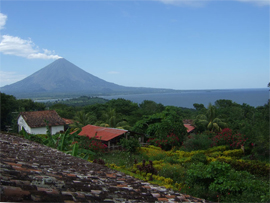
[3,19]
[11,45]
[7,78]
[25,48]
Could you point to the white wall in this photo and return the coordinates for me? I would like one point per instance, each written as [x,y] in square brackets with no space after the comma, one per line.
[56,129]
[22,123]
[41,130]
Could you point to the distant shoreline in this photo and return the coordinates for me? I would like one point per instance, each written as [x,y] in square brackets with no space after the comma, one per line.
[186,98]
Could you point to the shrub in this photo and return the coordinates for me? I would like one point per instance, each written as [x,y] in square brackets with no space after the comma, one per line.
[92,144]
[166,144]
[197,142]
[200,157]
[253,167]
[226,137]
[175,172]
[154,147]
[37,139]
[131,144]
[121,158]
[226,182]
[215,154]
[216,149]
[31,137]
[234,153]
[97,146]
[147,168]
[153,152]
[171,160]
[183,154]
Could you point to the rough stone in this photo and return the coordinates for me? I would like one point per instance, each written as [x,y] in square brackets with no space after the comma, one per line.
[33,172]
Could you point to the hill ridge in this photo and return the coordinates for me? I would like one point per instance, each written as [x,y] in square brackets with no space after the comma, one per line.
[62,77]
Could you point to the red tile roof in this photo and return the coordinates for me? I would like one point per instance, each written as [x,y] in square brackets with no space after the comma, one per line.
[189,127]
[37,118]
[105,134]
[68,121]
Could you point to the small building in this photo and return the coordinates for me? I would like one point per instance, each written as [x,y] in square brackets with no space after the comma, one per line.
[35,122]
[109,136]
[188,123]
[189,128]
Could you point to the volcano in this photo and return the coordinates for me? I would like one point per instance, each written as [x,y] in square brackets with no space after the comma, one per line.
[63,78]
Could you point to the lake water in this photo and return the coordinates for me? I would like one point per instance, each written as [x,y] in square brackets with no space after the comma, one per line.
[253,97]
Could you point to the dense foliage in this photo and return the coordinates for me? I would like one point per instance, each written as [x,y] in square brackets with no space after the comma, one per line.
[225,159]
[10,108]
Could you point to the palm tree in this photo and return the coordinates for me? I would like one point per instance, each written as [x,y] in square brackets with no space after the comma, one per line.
[83,119]
[113,121]
[210,120]
[111,117]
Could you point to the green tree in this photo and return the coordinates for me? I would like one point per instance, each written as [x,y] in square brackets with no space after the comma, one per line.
[160,125]
[131,144]
[30,105]
[148,107]
[226,183]
[123,106]
[97,110]
[8,105]
[200,108]
[126,110]
[113,120]
[111,117]
[210,120]
[64,110]
[10,108]
[83,119]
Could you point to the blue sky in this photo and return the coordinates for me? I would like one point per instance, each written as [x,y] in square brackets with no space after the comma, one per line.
[176,44]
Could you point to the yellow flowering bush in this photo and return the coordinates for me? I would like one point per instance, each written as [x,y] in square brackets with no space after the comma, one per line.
[184,160]
[181,153]
[156,162]
[196,152]
[234,153]
[154,153]
[154,147]
[226,159]
[210,159]
[215,149]
[215,154]
[179,186]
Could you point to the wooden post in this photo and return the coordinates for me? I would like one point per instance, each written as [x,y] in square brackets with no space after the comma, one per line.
[109,145]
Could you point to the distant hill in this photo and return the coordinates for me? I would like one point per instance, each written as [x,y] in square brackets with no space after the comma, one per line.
[62,78]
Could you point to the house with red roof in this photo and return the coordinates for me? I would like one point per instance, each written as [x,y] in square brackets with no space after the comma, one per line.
[35,122]
[110,136]
[188,123]
[189,128]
